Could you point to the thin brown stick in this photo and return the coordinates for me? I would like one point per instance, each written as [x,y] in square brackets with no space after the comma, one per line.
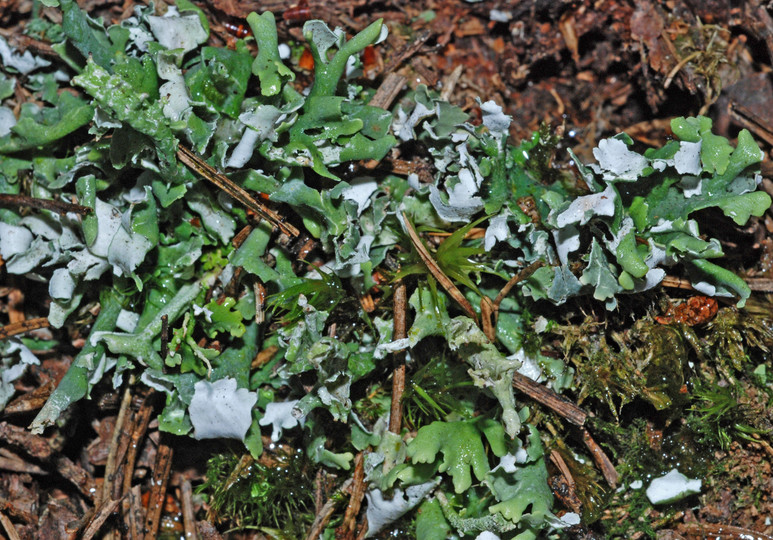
[520,276]
[388,91]
[10,530]
[241,236]
[164,336]
[141,423]
[760,284]
[319,479]
[355,499]
[489,310]
[570,498]
[99,518]
[751,121]
[573,414]
[676,283]
[209,173]
[133,513]
[407,51]
[755,284]
[189,520]
[363,528]
[158,490]
[21,466]
[601,459]
[437,273]
[326,512]
[725,532]
[76,474]
[112,457]
[547,397]
[15,306]
[450,83]
[260,301]
[23,326]
[60,207]
[400,331]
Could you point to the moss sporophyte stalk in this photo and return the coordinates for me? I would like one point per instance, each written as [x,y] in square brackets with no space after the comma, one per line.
[268,332]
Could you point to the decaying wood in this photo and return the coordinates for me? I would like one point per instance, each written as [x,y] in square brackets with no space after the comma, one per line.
[39,448]
[31,401]
[449,83]
[76,474]
[11,462]
[241,236]
[725,532]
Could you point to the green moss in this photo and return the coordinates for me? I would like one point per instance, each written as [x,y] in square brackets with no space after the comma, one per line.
[275,493]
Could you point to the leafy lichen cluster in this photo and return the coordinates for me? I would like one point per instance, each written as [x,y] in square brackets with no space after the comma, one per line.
[161,245]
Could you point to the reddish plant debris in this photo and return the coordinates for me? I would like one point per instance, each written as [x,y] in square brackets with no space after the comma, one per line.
[299,13]
[696,310]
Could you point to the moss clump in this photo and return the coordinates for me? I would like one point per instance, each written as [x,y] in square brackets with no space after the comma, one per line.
[267,494]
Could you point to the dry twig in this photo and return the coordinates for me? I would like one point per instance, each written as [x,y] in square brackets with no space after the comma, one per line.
[106,508]
[109,491]
[209,173]
[23,326]
[602,460]
[158,490]
[10,530]
[132,512]
[398,373]
[436,271]
[189,520]
[141,422]
[407,51]
[60,207]
[489,310]
[355,500]
[388,91]
[326,512]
